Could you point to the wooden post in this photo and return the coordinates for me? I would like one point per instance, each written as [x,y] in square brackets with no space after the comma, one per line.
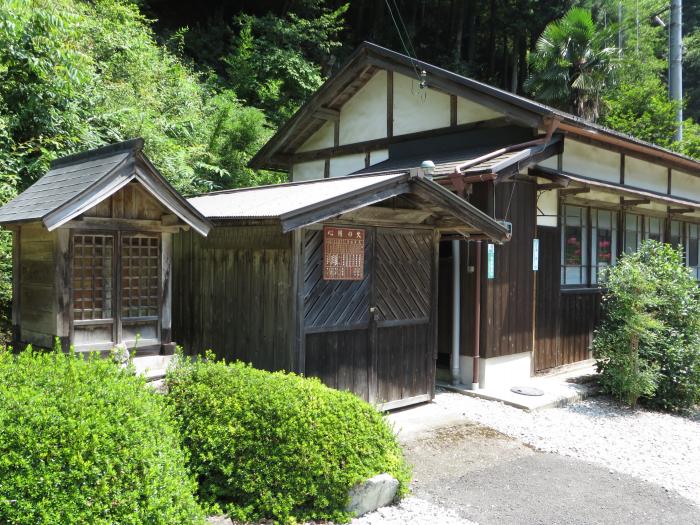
[63,287]
[16,279]
[166,293]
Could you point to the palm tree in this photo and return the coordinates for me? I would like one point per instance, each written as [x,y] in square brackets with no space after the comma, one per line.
[571,64]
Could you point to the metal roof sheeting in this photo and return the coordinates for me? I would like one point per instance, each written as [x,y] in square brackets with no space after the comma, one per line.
[447,162]
[280,199]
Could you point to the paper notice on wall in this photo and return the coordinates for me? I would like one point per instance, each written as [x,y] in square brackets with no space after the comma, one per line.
[343,254]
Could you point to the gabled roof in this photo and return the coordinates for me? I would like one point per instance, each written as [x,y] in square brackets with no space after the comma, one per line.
[76,183]
[368,58]
[300,204]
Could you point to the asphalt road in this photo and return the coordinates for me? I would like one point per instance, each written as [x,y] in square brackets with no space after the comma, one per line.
[490,478]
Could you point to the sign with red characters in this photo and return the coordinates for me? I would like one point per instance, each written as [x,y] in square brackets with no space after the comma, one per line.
[343,254]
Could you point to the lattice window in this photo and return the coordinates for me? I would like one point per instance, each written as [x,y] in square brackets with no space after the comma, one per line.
[92,276]
[140,260]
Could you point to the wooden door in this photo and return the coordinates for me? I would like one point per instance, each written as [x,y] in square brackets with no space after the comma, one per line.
[374,337]
[405,339]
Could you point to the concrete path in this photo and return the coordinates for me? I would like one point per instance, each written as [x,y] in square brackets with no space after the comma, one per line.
[489,478]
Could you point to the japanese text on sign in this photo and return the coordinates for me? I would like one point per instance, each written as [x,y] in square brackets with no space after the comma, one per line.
[343,254]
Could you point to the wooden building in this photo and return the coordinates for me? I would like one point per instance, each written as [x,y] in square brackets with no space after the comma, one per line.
[334,278]
[92,243]
[578,195]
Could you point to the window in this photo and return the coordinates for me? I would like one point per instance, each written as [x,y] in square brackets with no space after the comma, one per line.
[603,241]
[574,253]
[633,232]
[140,264]
[677,234]
[693,249]
[92,277]
[654,229]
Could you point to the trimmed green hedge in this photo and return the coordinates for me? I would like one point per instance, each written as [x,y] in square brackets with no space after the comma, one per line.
[84,441]
[276,445]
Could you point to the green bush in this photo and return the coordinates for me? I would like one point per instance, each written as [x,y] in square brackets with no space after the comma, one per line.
[84,441]
[648,344]
[275,445]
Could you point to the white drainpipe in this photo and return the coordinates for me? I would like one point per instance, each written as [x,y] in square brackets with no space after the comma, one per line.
[456,376]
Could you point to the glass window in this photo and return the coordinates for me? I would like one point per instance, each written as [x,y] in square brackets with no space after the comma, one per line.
[654,229]
[633,232]
[574,256]
[603,241]
[693,249]
[677,234]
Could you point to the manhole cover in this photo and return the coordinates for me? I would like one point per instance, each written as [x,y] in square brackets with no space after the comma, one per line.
[527,391]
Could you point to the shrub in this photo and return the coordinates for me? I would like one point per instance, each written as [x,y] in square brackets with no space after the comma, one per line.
[648,345]
[84,441]
[275,445]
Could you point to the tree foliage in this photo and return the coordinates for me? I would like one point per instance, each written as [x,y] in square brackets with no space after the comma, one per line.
[573,64]
[648,344]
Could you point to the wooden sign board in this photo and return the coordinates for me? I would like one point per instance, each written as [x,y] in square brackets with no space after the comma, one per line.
[343,254]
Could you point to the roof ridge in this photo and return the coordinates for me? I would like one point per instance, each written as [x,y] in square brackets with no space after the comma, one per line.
[103,151]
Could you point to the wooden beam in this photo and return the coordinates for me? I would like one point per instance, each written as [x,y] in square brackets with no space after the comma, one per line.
[453,110]
[573,191]
[633,202]
[327,114]
[104,223]
[166,293]
[16,288]
[680,211]
[389,103]
[383,143]
[556,180]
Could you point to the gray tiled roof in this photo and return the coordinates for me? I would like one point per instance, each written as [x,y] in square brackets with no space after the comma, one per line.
[63,182]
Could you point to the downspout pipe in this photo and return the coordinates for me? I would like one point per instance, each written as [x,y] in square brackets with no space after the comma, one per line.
[456,316]
[477,317]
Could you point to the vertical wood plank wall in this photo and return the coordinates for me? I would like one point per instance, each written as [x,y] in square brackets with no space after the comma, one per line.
[232,293]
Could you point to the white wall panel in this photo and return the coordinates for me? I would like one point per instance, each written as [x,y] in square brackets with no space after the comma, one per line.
[468,111]
[685,186]
[363,117]
[416,109]
[378,156]
[552,163]
[345,165]
[547,208]
[592,162]
[322,138]
[308,170]
[645,175]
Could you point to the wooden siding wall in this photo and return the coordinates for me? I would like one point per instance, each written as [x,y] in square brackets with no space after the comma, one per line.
[232,293]
[38,307]
[507,301]
[566,318]
[131,202]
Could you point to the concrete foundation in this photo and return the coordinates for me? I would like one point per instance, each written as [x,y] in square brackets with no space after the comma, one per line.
[498,372]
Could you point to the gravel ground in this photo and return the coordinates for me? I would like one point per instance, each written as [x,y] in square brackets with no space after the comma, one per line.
[656,447]
[412,510]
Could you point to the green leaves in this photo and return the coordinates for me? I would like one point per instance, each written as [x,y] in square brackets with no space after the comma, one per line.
[84,441]
[573,64]
[648,345]
[277,446]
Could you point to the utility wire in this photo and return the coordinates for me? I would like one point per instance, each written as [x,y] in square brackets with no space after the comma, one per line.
[413,56]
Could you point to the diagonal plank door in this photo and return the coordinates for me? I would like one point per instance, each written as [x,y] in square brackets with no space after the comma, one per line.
[373,337]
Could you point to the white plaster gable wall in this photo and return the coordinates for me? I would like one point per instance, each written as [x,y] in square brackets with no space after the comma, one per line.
[547,208]
[363,117]
[345,165]
[685,186]
[645,175]
[416,109]
[308,170]
[589,161]
[322,138]
[552,163]
[468,112]
[378,156]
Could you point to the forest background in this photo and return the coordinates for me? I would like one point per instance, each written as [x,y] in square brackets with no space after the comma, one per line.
[206,83]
